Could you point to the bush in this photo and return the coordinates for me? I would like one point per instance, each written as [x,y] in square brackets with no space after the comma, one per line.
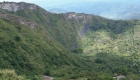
[10,75]
[17,38]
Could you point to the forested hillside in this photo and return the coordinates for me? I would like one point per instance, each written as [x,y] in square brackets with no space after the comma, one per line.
[34,42]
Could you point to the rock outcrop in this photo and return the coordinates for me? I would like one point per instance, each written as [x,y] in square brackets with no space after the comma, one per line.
[18,20]
[79,16]
[12,6]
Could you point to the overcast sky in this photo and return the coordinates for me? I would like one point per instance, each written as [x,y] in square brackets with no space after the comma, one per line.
[46,3]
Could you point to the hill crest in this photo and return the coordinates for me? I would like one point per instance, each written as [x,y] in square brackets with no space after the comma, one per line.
[13,6]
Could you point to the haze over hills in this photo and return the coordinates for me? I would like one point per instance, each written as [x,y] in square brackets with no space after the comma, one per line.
[67,46]
[111,10]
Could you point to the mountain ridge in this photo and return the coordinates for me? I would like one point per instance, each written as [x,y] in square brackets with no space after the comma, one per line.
[118,10]
[69,46]
[18,20]
[13,6]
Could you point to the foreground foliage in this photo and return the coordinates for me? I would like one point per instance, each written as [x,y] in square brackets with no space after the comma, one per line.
[10,75]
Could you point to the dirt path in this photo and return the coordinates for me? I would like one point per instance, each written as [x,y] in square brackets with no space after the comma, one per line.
[47,78]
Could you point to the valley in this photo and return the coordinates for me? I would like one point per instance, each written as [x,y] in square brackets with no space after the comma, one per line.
[66,46]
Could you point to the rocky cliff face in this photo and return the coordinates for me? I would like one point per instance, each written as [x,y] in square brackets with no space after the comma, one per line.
[79,16]
[12,6]
[18,20]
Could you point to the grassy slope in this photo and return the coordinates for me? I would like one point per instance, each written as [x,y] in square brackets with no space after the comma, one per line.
[31,52]
[116,41]
[112,36]
[43,55]
[56,24]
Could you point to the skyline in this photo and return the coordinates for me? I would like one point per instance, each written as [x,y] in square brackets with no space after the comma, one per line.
[48,3]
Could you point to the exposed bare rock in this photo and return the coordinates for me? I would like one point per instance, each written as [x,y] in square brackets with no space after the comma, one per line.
[79,16]
[18,20]
[82,18]
[119,77]
[47,78]
[12,6]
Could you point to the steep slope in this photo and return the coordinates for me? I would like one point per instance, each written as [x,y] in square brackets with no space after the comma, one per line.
[56,25]
[36,42]
[31,45]
[100,34]
[103,38]
[30,50]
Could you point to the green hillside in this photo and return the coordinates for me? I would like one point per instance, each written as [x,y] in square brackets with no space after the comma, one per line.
[56,25]
[71,46]
[31,52]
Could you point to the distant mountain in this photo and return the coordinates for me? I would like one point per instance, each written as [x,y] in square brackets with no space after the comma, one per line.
[111,10]
[58,10]
[133,16]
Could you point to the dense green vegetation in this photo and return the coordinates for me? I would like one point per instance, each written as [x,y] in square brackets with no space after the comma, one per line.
[69,46]
[10,75]
[56,25]
[30,52]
